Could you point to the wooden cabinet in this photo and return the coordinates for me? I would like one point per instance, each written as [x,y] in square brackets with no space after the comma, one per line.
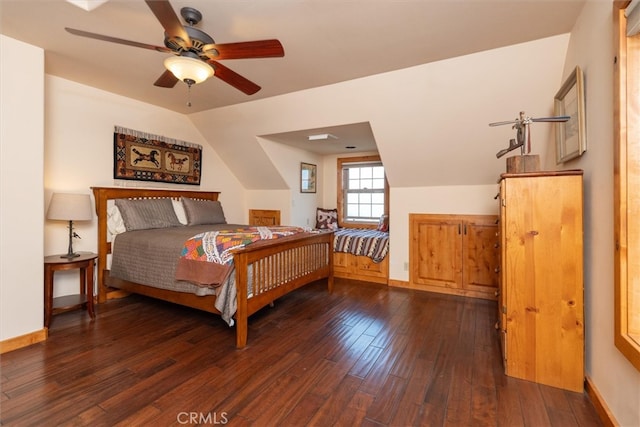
[264,217]
[541,284]
[355,267]
[456,254]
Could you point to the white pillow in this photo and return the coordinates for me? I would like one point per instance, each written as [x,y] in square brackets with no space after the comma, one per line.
[178,207]
[115,223]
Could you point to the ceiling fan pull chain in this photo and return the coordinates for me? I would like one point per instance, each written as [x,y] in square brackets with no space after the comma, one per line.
[189,83]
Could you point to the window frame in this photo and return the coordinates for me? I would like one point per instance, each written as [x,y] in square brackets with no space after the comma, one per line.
[626,188]
[341,161]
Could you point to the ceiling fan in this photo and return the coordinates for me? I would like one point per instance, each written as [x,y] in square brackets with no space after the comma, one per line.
[196,54]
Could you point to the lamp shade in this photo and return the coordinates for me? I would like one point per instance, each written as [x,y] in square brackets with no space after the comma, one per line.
[70,207]
[189,70]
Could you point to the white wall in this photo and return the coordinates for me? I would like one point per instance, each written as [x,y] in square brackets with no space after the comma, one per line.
[298,208]
[79,154]
[21,200]
[430,122]
[591,48]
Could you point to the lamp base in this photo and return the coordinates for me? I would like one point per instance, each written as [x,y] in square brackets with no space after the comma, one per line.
[70,256]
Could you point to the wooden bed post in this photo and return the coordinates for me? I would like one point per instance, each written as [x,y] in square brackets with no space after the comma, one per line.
[104,247]
[330,255]
[242,313]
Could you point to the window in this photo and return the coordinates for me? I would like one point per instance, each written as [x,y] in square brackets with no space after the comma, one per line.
[363,193]
[363,187]
[627,186]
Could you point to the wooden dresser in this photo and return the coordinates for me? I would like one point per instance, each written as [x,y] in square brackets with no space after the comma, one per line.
[541,319]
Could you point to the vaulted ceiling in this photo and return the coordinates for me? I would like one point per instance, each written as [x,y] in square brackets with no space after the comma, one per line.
[325,42]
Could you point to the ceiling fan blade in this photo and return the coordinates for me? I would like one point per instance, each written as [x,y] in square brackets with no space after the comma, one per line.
[167,79]
[164,12]
[117,40]
[233,78]
[242,50]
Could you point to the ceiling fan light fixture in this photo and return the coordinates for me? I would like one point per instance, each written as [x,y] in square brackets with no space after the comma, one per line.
[188,69]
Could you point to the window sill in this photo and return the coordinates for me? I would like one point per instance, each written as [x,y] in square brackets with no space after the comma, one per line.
[358,225]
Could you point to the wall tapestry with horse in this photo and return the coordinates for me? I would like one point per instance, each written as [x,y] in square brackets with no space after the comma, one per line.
[144,157]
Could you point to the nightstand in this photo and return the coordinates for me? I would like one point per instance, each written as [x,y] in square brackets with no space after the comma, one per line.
[85,263]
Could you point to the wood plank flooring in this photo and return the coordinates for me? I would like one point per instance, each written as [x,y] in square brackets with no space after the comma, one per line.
[364,355]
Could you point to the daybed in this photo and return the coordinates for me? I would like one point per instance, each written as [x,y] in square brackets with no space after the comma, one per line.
[263,271]
[361,254]
[358,253]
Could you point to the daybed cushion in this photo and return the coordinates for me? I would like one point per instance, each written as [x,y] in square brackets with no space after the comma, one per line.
[145,214]
[326,219]
[362,242]
[200,212]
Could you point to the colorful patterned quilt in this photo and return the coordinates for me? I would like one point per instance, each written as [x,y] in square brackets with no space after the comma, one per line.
[363,242]
[206,258]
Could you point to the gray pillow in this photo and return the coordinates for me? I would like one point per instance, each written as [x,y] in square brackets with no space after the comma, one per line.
[143,214]
[203,211]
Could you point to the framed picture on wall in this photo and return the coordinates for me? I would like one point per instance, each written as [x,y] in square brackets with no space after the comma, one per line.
[308,173]
[571,139]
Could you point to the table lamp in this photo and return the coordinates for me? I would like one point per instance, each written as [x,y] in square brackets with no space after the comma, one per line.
[70,207]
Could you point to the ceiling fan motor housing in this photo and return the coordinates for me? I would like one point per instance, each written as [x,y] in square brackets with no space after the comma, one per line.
[198,40]
[198,37]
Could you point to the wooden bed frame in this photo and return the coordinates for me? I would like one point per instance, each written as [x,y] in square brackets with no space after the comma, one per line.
[310,255]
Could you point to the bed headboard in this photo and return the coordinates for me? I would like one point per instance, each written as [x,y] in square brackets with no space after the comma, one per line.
[103,194]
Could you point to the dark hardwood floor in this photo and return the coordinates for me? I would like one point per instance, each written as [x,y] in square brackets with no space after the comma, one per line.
[364,355]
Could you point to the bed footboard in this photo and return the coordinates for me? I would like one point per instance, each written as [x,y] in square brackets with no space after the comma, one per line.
[277,270]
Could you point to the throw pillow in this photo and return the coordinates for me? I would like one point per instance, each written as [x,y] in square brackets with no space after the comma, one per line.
[326,219]
[203,211]
[383,224]
[142,214]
